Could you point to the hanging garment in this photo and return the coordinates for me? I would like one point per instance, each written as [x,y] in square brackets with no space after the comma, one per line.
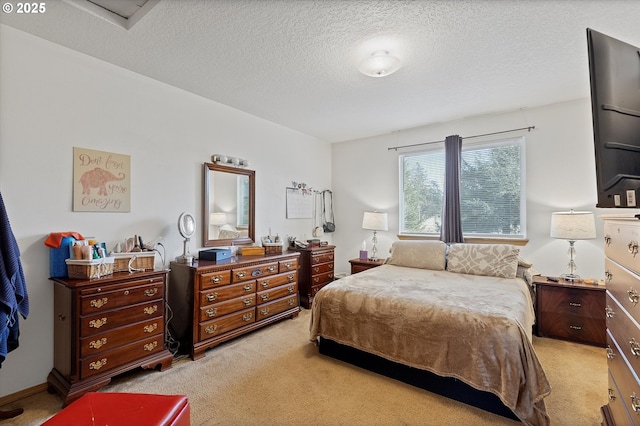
[14,300]
[329,223]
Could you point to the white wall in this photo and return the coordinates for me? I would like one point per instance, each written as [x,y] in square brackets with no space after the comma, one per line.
[560,175]
[54,99]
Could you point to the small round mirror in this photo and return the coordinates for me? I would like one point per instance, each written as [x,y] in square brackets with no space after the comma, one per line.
[186,225]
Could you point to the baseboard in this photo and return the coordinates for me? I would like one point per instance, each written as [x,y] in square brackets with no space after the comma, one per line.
[25,393]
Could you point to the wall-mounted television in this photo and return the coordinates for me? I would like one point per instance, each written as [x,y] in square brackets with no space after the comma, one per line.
[614,72]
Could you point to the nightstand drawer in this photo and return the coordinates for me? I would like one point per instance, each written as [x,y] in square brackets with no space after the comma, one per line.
[566,302]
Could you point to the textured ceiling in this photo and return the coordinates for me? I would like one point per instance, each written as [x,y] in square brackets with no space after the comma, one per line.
[295,62]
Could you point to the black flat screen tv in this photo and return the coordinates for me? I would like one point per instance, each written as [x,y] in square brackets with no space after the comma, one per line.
[614,72]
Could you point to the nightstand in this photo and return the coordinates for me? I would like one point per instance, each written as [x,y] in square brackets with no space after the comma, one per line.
[359,265]
[570,311]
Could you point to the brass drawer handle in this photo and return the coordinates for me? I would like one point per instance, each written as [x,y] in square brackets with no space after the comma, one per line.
[608,276]
[633,248]
[607,239]
[150,310]
[97,323]
[97,344]
[151,346]
[272,268]
[216,279]
[575,304]
[635,404]
[264,297]
[290,302]
[316,279]
[97,365]
[608,312]
[211,312]
[264,311]
[151,292]
[331,266]
[248,302]
[635,347]
[247,317]
[241,274]
[316,269]
[291,277]
[212,296]
[612,395]
[265,284]
[288,265]
[247,287]
[633,296]
[610,353]
[150,328]
[98,303]
[211,329]
[330,257]
[315,259]
[290,289]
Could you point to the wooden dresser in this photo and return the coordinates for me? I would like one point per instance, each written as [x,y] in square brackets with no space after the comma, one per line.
[212,302]
[104,327]
[622,273]
[316,271]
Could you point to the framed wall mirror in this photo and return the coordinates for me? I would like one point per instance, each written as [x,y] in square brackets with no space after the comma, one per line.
[229,205]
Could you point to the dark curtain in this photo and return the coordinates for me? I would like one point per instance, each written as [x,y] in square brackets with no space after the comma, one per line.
[451,229]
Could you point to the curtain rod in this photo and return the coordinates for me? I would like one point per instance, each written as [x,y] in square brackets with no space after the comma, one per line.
[395,148]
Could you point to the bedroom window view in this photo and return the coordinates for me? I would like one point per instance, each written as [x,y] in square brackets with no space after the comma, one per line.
[491,190]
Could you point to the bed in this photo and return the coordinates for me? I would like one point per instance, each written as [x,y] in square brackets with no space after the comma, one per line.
[460,311]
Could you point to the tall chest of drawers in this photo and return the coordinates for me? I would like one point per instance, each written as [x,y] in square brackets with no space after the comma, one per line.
[316,271]
[105,327]
[212,302]
[622,273]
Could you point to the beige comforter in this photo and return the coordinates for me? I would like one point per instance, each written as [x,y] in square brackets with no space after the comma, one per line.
[474,328]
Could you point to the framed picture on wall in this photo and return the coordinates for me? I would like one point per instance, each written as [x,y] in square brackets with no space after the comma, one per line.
[101,181]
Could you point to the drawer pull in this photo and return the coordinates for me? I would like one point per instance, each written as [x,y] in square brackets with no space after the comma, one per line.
[316,279]
[97,344]
[248,302]
[99,303]
[633,248]
[264,297]
[247,317]
[635,347]
[97,365]
[633,296]
[330,257]
[575,327]
[150,328]
[315,260]
[126,292]
[610,353]
[216,279]
[247,287]
[316,269]
[212,312]
[608,312]
[607,239]
[288,265]
[97,323]
[608,276]
[150,310]
[211,329]
[291,277]
[635,404]
[331,276]
[212,296]
[612,395]
[575,304]
[272,268]
[290,302]
[151,292]
[241,274]
[290,289]
[265,284]
[264,311]
[151,346]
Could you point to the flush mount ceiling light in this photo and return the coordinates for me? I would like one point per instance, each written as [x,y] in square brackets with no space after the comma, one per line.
[379,64]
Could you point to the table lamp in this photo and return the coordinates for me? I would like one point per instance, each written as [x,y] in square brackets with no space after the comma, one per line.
[377,222]
[572,226]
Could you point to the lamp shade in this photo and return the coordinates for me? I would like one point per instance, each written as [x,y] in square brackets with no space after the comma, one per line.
[217,219]
[573,226]
[375,221]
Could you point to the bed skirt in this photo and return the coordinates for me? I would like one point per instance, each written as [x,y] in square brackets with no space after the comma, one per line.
[445,386]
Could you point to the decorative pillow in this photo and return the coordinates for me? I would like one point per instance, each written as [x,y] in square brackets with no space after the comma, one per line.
[494,260]
[419,254]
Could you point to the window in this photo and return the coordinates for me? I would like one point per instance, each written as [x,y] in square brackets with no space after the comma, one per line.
[491,190]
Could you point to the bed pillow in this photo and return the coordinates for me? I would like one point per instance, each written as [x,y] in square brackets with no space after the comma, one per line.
[419,254]
[494,260]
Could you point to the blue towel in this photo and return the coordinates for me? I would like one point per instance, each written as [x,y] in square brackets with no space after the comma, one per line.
[13,290]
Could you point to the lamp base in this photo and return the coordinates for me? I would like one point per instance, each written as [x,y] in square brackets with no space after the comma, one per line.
[572,278]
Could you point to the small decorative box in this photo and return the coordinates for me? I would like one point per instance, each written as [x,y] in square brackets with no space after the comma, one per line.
[214,254]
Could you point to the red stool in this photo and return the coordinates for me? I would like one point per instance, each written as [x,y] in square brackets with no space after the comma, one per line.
[124,409]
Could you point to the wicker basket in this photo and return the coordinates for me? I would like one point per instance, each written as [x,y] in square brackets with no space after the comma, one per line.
[90,269]
[272,248]
[143,261]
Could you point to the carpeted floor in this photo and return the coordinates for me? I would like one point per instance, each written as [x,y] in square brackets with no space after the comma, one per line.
[275,376]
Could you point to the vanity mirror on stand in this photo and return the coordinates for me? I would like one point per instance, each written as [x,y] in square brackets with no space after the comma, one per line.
[228,206]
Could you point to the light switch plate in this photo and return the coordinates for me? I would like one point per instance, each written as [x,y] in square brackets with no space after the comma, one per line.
[631,198]
[616,200]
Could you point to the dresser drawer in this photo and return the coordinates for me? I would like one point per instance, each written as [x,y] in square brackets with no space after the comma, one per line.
[96,300]
[321,279]
[322,268]
[104,321]
[226,323]
[572,302]
[227,292]
[288,265]
[625,332]
[215,279]
[624,286]
[220,309]
[276,280]
[112,339]
[617,404]
[621,244]
[624,385]
[276,293]
[269,309]
[123,355]
[253,272]
[322,257]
